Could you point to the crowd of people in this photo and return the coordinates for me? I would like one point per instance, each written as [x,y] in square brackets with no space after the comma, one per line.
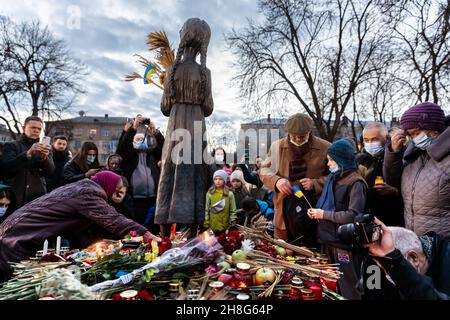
[306,187]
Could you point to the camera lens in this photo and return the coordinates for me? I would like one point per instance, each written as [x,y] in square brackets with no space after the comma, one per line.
[347,233]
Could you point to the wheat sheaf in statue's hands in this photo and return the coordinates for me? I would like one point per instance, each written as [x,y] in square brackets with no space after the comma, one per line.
[155,70]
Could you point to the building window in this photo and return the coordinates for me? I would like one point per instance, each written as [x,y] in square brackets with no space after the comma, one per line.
[106,145]
[106,132]
[77,144]
[77,131]
[118,132]
[114,144]
[103,157]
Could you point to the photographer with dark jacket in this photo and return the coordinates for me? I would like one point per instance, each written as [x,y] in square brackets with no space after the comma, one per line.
[141,149]
[418,266]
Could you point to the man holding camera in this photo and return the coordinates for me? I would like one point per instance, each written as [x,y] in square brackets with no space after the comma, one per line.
[26,162]
[141,149]
[417,266]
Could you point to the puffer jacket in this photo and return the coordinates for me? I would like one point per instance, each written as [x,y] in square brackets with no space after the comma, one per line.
[424,179]
[62,212]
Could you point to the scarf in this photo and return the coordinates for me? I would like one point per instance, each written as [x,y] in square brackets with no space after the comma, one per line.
[107,180]
[326,200]
[298,165]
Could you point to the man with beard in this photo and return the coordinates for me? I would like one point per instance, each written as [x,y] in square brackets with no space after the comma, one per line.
[61,156]
[26,162]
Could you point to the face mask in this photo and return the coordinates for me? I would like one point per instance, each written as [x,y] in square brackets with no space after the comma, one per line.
[422,141]
[299,145]
[218,157]
[140,145]
[3,211]
[373,148]
[334,169]
[90,159]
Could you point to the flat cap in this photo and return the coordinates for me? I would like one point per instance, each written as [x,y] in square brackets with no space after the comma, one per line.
[299,123]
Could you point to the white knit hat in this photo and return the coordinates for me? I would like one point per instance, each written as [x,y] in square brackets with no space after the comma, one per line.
[237,175]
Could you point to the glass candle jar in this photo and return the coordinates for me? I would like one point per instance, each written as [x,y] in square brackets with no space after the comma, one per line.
[216,286]
[243,296]
[129,295]
[379,180]
[242,278]
[307,294]
[296,287]
[317,290]
[174,287]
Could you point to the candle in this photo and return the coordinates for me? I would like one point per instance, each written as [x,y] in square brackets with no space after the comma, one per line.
[45,249]
[58,245]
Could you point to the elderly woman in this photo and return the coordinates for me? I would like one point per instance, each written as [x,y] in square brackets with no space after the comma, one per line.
[73,207]
[421,169]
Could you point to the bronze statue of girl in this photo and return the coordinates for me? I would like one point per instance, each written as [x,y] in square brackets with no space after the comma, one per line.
[187,100]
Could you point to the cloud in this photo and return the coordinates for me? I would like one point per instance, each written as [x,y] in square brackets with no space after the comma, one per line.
[105,34]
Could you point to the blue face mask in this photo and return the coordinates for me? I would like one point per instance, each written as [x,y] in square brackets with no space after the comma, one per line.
[373,148]
[334,169]
[3,211]
[140,145]
[422,141]
[90,159]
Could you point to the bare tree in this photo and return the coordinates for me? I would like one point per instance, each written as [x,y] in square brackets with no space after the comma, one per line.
[37,73]
[313,54]
[422,34]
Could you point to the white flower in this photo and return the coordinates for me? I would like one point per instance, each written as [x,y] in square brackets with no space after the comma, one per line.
[248,245]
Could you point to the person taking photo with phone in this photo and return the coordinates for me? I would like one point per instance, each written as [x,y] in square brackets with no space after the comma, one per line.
[26,162]
[83,165]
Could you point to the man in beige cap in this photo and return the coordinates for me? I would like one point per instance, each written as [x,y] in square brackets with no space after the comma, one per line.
[296,160]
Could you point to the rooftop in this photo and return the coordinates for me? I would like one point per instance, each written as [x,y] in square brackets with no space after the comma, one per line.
[96,119]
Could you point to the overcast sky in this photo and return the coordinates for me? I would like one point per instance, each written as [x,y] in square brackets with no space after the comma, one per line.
[104,35]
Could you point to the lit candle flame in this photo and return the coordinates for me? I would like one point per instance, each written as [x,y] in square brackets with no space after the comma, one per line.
[205,236]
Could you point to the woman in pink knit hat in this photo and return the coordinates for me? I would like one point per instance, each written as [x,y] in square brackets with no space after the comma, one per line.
[421,168]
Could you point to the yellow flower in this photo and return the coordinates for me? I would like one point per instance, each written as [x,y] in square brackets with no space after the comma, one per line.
[290,259]
[148,257]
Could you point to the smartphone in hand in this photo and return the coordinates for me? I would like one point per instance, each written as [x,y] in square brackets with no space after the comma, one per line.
[47,142]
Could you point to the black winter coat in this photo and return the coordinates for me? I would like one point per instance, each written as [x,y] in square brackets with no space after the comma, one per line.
[387,208]
[73,173]
[56,180]
[350,200]
[25,176]
[130,156]
[411,285]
